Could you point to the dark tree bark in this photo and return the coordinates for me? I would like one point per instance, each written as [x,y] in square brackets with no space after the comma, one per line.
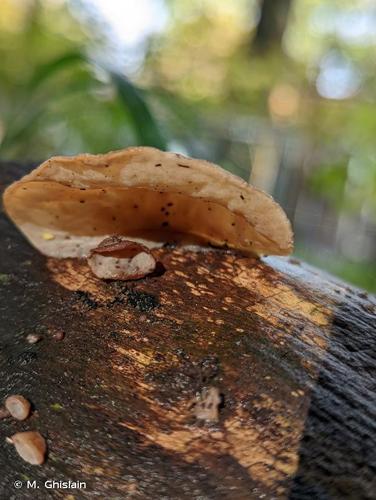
[272,24]
[291,350]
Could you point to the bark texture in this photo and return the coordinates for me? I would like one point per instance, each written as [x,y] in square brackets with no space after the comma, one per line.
[291,350]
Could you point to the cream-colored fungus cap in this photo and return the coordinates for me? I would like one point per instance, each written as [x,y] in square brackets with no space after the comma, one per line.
[67,205]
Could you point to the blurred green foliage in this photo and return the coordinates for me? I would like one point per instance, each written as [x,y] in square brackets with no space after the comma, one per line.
[330,180]
[211,85]
[54,98]
[360,273]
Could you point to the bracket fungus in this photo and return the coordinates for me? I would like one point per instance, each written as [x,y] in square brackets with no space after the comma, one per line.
[120,259]
[68,205]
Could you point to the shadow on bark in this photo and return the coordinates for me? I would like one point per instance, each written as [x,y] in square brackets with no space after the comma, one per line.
[337,456]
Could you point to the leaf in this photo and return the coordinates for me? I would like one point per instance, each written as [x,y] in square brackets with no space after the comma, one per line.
[49,69]
[32,111]
[57,406]
[33,107]
[145,126]
[330,181]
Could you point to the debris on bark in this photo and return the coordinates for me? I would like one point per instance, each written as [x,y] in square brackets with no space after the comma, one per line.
[4,413]
[207,406]
[18,407]
[59,335]
[33,338]
[30,445]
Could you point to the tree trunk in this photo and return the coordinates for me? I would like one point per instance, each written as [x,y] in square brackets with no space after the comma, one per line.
[291,351]
[272,24]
